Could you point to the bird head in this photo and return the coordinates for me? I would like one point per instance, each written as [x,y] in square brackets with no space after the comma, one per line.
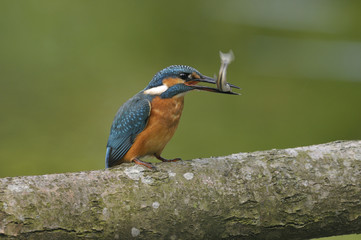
[179,79]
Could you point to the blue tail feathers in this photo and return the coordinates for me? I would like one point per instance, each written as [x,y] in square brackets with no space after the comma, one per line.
[107,157]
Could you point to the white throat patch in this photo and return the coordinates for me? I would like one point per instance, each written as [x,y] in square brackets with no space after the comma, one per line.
[156,90]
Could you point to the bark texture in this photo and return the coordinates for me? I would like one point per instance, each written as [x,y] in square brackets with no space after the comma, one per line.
[297,193]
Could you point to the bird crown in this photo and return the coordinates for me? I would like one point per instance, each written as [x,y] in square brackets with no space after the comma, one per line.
[171,71]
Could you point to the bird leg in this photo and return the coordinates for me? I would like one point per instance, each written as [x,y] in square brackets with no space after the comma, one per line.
[166,160]
[148,165]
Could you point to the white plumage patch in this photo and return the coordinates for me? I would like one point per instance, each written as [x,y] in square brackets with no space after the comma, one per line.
[156,90]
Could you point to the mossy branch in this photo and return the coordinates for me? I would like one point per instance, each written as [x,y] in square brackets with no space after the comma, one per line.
[297,193]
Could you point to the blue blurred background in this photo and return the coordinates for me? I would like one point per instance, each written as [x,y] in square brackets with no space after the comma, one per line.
[67,66]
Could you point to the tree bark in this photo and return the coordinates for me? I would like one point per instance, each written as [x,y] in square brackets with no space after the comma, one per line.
[298,193]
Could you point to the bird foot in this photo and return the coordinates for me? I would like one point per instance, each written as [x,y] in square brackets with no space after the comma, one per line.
[146,164]
[167,160]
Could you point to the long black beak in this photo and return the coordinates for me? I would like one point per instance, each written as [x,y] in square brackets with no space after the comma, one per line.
[210,89]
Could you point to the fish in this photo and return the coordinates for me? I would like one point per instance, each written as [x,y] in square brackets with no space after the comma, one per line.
[226,59]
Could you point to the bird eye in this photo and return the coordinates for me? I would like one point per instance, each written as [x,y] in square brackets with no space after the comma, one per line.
[185,76]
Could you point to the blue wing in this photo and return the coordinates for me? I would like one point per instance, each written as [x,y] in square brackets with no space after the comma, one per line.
[129,121]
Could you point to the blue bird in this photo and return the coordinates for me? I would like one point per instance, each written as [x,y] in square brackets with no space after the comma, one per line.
[146,122]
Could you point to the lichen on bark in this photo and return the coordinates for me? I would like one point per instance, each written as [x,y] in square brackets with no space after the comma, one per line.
[297,193]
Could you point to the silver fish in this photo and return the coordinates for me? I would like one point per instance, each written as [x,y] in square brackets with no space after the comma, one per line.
[222,84]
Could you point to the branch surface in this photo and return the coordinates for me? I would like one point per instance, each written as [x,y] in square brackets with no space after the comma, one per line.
[297,193]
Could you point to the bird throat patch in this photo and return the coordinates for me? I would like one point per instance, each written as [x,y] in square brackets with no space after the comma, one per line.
[167,83]
[156,90]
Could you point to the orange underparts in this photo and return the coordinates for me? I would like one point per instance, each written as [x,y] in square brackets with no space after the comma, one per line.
[162,124]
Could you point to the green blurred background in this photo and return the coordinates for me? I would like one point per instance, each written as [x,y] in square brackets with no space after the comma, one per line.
[67,66]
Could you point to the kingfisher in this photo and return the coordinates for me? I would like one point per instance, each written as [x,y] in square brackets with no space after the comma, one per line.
[146,122]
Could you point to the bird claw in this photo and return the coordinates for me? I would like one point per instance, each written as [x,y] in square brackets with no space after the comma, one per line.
[167,160]
[171,160]
[146,164]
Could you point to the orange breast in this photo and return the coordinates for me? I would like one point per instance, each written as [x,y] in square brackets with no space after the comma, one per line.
[162,124]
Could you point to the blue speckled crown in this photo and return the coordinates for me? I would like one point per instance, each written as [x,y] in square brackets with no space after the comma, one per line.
[171,71]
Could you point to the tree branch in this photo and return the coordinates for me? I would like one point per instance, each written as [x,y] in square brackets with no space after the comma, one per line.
[297,193]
